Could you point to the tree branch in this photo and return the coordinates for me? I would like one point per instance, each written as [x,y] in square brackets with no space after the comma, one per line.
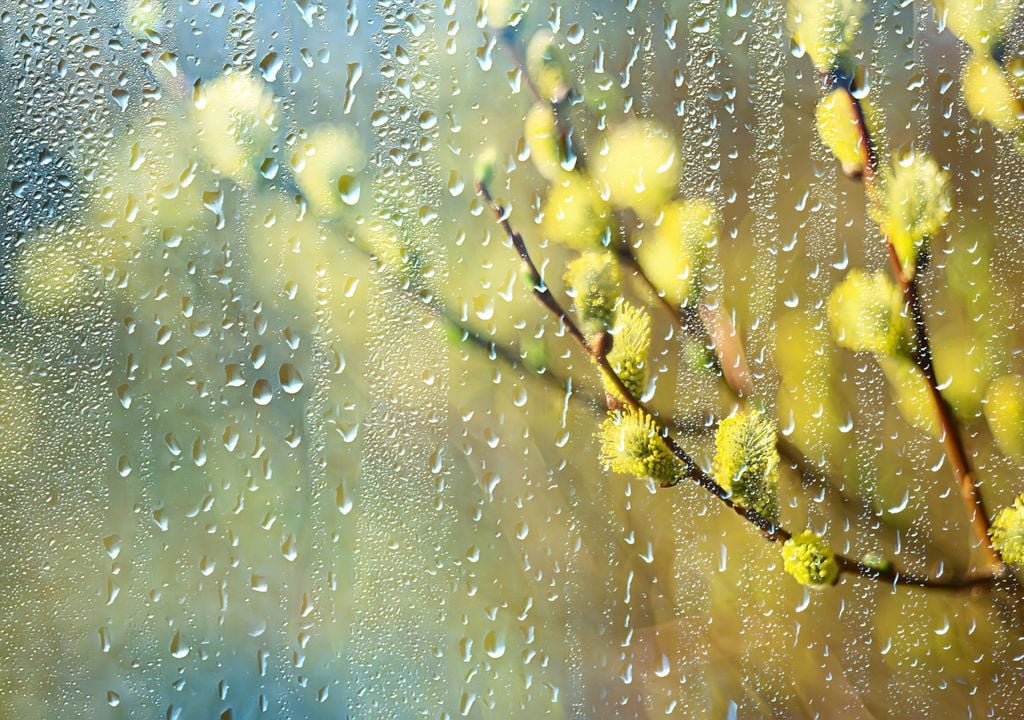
[701,324]
[771,530]
[510,355]
[952,435]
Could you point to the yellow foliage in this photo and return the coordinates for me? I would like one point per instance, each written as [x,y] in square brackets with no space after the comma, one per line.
[1008,532]
[501,13]
[330,156]
[979,23]
[910,390]
[289,260]
[142,16]
[18,419]
[54,273]
[962,364]
[804,357]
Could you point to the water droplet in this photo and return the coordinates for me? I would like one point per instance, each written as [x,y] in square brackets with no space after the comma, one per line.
[291,379]
[179,649]
[262,393]
[349,189]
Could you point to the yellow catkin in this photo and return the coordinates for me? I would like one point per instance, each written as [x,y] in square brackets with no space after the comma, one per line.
[747,462]
[810,560]
[866,313]
[632,445]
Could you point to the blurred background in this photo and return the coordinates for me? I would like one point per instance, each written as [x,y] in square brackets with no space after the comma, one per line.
[284,434]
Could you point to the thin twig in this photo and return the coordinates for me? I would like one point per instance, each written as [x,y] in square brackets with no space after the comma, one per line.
[510,355]
[771,530]
[559,105]
[952,435]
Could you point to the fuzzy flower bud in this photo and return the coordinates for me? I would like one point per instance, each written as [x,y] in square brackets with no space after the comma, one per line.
[824,28]
[575,213]
[236,117]
[484,168]
[548,67]
[747,462]
[631,339]
[593,281]
[641,166]
[674,251]
[142,17]
[325,167]
[836,120]
[632,445]
[914,205]
[809,559]
[876,561]
[1008,532]
[979,23]
[989,95]
[540,128]
[500,13]
[866,312]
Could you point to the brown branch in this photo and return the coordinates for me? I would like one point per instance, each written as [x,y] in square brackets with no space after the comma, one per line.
[952,435]
[770,529]
[895,577]
[737,383]
[701,324]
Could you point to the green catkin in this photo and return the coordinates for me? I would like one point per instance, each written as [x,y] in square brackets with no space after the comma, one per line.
[1008,532]
[810,560]
[877,562]
[747,461]
[593,281]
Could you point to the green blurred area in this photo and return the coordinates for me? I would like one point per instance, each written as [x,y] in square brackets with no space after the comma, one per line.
[283,432]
